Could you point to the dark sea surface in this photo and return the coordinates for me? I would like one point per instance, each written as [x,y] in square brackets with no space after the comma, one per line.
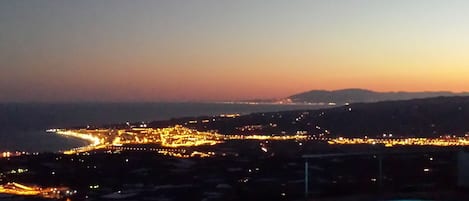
[22,126]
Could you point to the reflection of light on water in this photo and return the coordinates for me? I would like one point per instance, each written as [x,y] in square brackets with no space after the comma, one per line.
[94,140]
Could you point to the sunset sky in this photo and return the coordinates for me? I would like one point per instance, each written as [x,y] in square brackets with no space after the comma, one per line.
[204,50]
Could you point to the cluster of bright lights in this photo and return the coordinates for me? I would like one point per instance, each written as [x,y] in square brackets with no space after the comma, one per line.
[96,141]
[389,142]
[16,171]
[182,137]
[8,154]
[14,188]
[179,136]
[265,137]
[187,155]
[230,115]
[171,137]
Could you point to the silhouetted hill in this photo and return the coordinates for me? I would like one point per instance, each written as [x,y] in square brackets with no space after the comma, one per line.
[362,95]
[429,117]
[420,117]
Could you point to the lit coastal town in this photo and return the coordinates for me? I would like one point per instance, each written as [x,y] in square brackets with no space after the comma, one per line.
[179,138]
[243,160]
[176,137]
[245,150]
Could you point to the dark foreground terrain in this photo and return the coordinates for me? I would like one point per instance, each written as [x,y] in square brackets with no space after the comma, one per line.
[247,174]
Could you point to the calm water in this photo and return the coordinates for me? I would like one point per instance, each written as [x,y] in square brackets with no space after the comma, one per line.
[22,126]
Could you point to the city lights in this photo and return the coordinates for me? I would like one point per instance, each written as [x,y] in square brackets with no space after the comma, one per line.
[170,137]
[390,142]
[181,137]
[14,188]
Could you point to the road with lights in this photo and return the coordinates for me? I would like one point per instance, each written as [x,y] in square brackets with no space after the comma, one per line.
[14,188]
[181,137]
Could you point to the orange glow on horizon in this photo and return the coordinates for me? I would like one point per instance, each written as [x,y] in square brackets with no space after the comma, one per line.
[187,51]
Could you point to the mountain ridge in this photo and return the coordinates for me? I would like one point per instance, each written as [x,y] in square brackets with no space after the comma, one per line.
[357,95]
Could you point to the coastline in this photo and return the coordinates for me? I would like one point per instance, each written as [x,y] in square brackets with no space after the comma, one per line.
[27,123]
[79,142]
[91,141]
[37,141]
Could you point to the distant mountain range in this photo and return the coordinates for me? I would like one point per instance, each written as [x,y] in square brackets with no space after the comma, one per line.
[361,96]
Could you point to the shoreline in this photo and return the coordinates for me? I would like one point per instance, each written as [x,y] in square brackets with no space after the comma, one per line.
[91,141]
[78,141]
[39,141]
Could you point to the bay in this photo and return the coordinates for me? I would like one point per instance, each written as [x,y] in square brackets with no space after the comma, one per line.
[23,125]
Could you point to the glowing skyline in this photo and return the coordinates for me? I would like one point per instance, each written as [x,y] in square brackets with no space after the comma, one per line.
[228,50]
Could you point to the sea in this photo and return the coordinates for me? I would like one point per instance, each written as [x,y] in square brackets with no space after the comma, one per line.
[23,125]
